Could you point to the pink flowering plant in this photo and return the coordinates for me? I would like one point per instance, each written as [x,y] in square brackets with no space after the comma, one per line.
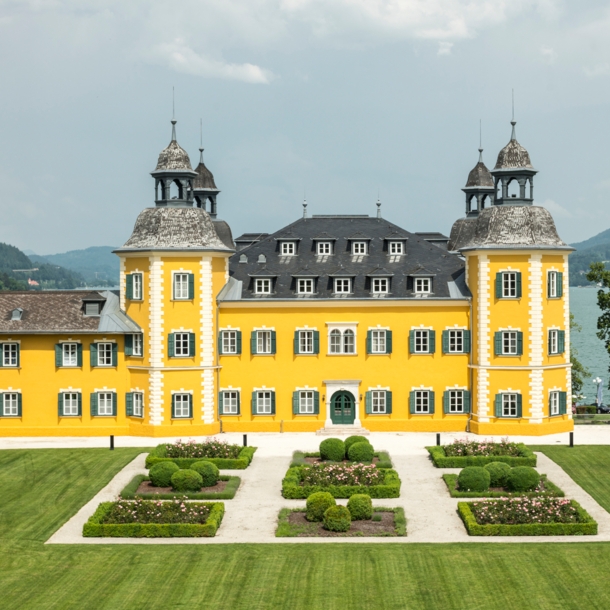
[157,511]
[517,511]
[340,474]
[465,447]
[211,448]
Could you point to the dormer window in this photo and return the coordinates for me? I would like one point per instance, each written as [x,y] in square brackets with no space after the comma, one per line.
[288,248]
[16,314]
[92,309]
[380,285]
[262,286]
[396,247]
[422,285]
[324,248]
[359,247]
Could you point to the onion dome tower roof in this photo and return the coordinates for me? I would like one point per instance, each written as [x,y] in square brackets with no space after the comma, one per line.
[205,178]
[174,157]
[513,155]
[479,175]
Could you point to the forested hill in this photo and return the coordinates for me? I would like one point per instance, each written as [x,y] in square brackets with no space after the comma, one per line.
[594,249]
[13,258]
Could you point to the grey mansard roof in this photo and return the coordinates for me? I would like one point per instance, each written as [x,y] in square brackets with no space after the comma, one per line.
[420,258]
[164,228]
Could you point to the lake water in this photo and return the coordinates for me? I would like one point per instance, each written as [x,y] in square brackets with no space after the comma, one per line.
[591,350]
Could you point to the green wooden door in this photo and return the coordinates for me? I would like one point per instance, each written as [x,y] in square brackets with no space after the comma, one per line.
[342,408]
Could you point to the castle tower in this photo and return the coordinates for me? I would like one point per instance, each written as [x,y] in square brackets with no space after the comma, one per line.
[172,267]
[479,188]
[517,272]
[205,189]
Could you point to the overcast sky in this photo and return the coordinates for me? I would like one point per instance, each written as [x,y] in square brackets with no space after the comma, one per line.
[343,99]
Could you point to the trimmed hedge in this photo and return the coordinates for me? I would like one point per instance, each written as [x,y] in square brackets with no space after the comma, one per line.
[350,440]
[473,478]
[161,474]
[440,460]
[360,507]
[361,452]
[550,490]
[317,504]
[187,480]
[298,458]
[498,471]
[208,471]
[522,478]
[293,490]
[130,491]
[337,519]
[94,528]
[159,454]
[586,527]
[332,450]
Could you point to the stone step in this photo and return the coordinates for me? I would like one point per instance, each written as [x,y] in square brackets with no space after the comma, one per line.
[342,431]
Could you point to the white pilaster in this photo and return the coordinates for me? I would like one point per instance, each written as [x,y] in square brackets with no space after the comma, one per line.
[536,339]
[156,340]
[122,284]
[484,346]
[566,325]
[206,334]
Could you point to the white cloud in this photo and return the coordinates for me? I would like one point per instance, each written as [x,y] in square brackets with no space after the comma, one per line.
[444,48]
[555,209]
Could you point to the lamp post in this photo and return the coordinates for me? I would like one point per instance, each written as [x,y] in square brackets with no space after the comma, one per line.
[598,399]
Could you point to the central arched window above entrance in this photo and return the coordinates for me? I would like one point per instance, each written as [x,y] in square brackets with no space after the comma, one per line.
[342,341]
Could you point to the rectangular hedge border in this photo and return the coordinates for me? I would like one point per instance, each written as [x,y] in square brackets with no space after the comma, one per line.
[129,491]
[440,460]
[293,490]
[159,454]
[400,523]
[298,458]
[451,482]
[94,528]
[586,527]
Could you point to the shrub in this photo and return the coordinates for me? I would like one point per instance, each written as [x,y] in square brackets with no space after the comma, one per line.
[522,478]
[360,507]
[361,452]
[317,504]
[210,448]
[473,478]
[332,449]
[498,472]
[187,480]
[161,474]
[208,471]
[350,440]
[337,519]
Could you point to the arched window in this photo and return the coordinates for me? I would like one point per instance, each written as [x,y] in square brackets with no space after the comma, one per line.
[529,187]
[513,188]
[485,202]
[335,341]
[499,189]
[160,190]
[175,190]
[348,342]
[472,204]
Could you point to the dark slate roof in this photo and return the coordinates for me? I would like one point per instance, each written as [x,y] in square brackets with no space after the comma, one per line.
[446,269]
[480,176]
[205,178]
[62,311]
[223,230]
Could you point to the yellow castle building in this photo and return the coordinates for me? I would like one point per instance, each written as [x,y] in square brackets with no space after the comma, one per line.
[333,323]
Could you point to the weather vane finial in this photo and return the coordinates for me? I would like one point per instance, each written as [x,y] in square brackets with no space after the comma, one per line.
[173,117]
[513,122]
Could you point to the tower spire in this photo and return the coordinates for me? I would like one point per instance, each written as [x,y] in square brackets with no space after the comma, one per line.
[200,140]
[513,135]
[173,117]
[480,142]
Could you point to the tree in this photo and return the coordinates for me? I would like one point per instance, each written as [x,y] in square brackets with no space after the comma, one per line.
[601,276]
[579,372]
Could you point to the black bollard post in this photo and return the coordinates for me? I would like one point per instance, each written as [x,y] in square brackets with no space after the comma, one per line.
[438,439]
[571,439]
[245,440]
[112,442]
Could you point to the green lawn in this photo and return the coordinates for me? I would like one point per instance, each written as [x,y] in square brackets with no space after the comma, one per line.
[40,489]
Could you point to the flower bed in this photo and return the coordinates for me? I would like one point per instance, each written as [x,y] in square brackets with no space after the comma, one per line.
[299,458]
[228,491]
[546,488]
[537,516]
[478,453]
[155,519]
[184,454]
[386,522]
[342,481]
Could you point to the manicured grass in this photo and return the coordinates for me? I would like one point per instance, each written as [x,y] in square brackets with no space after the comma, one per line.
[41,489]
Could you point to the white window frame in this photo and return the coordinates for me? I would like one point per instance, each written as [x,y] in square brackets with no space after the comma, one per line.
[182,345]
[181,286]
[306,341]
[422,285]
[552,279]
[456,340]
[554,402]
[396,248]
[378,401]
[340,285]
[138,404]
[104,353]
[379,341]
[306,402]
[69,354]
[288,248]
[509,403]
[230,402]
[105,403]
[456,401]
[229,341]
[264,400]
[510,343]
[509,284]
[341,340]
[181,402]
[553,341]
[422,401]
[380,285]
[137,281]
[359,248]
[137,345]
[69,406]
[263,341]
[324,248]
[421,341]
[263,285]
[305,286]
[8,351]
[12,408]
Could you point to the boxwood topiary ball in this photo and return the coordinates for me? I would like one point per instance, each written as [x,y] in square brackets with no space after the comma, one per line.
[360,507]
[350,440]
[522,478]
[161,473]
[498,472]
[332,449]
[473,478]
[361,452]
[337,519]
[317,504]
[208,471]
[187,480]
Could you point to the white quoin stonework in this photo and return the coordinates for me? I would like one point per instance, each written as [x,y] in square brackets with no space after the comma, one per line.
[122,284]
[156,340]
[566,325]
[206,348]
[536,339]
[483,347]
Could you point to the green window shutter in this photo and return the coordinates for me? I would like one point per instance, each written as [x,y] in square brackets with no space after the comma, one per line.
[316,341]
[519,285]
[368,402]
[519,405]
[220,342]
[412,341]
[445,341]
[431,341]
[220,403]
[549,342]
[129,286]
[93,354]
[466,340]
[19,363]
[93,404]
[171,349]
[412,402]
[295,403]
[1,354]
[58,355]
[1,405]
[446,401]
[431,402]
[238,403]
[238,341]
[273,342]
[253,342]
[114,404]
[498,285]
[272,403]
[129,404]
[559,284]
[388,402]
[129,345]
[369,341]
[498,343]
[548,284]
[316,403]
[60,404]
[79,354]
[254,407]
[191,286]
[498,405]
[190,406]
[115,354]
[388,341]
[563,399]
[466,401]
[519,343]
[192,345]
[296,343]
[561,341]
[173,406]
[80,404]
[19,404]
